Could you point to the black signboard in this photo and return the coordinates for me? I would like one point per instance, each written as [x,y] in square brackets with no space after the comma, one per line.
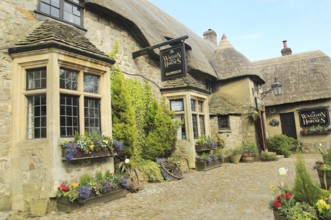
[173,62]
[314,117]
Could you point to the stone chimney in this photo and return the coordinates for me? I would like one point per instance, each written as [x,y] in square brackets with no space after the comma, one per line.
[211,36]
[286,50]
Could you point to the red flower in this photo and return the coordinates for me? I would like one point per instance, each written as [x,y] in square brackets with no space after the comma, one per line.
[288,195]
[281,196]
[277,204]
[63,187]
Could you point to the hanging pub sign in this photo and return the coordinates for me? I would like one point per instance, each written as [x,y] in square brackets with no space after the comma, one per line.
[314,117]
[173,62]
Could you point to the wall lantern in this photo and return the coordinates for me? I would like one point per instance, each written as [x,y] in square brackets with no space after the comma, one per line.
[276,87]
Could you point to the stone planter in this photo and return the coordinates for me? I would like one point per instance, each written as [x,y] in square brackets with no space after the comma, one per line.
[63,204]
[327,175]
[79,155]
[203,165]
[235,158]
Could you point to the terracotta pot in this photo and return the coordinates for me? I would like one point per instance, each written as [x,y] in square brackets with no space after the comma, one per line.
[279,217]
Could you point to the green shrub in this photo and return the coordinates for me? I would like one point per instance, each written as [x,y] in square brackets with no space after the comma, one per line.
[85,180]
[268,156]
[302,211]
[305,190]
[250,148]
[124,125]
[282,144]
[151,169]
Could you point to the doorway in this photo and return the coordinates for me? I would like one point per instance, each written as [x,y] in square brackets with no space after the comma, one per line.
[288,125]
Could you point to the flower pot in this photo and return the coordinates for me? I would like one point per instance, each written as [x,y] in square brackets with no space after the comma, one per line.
[235,158]
[327,175]
[63,204]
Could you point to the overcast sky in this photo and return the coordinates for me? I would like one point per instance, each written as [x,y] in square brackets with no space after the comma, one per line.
[256,28]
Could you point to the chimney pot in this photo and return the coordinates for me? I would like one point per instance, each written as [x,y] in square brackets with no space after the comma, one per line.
[285,43]
[286,50]
[211,36]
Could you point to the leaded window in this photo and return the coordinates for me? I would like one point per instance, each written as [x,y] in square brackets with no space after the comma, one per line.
[37,119]
[195,126]
[69,115]
[198,117]
[67,10]
[92,115]
[68,79]
[177,105]
[223,122]
[91,83]
[36,78]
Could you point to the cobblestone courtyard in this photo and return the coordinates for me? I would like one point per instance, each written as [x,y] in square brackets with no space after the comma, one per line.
[233,191]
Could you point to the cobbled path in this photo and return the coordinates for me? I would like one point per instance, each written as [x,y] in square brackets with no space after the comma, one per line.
[233,191]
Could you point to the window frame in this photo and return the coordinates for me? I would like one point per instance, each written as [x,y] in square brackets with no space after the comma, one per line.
[80,5]
[82,95]
[223,117]
[197,112]
[180,115]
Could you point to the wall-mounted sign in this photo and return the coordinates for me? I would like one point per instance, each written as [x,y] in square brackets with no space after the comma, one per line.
[259,104]
[173,62]
[314,117]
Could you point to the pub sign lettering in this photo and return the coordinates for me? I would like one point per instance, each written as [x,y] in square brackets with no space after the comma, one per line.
[173,62]
[314,117]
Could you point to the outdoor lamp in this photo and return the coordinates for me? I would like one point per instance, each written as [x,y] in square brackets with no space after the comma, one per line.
[276,87]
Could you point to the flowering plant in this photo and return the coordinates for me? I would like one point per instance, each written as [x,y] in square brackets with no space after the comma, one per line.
[283,198]
[89,144]
[79,192]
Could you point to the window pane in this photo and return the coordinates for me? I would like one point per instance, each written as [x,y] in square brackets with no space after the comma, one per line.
[223,121]
[195,126]
[202,125]
[68,7]
[68,16]
[56,3]
[36,125]
[76,20]
[92,115]
[55,12]
[76,11]
[36,78]
[45,8]
[181,131]
[68,115]
[91,83]
[200,106]
[68,79]
[46,1]
[177,105]
[193,105]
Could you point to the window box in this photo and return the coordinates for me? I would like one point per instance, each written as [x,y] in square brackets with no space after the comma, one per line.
[79,155]
[318,130]
[63,204]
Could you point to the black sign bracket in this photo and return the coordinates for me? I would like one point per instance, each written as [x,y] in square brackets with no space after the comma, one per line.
[144,51]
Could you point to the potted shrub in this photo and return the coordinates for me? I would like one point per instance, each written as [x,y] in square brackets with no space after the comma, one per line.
[250,152]
[235,154]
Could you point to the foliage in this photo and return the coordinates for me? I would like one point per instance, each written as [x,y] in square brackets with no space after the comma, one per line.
[268,156]
[326,154]
[282,144]
[124,125]
[305,190]
[89,144]
[250,149]
[235,151]
[114,50]
[206,141]
[283,199]
[323,205]
[160,131]
[315,130]
[302,211]
[99,185]
[210,157]
[150,168]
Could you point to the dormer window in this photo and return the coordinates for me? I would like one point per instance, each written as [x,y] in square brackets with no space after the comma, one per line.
[70,11]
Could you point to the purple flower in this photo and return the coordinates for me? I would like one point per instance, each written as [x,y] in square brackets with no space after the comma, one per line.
[209,160]
[84,192]
[70,150]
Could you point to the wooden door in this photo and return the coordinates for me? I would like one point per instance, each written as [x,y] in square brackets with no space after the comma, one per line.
[288,125]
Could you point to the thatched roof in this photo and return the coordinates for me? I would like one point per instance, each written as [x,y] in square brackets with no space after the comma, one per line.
[150,26]
[222,104]
[229,63]
[305,77]
[53,34]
